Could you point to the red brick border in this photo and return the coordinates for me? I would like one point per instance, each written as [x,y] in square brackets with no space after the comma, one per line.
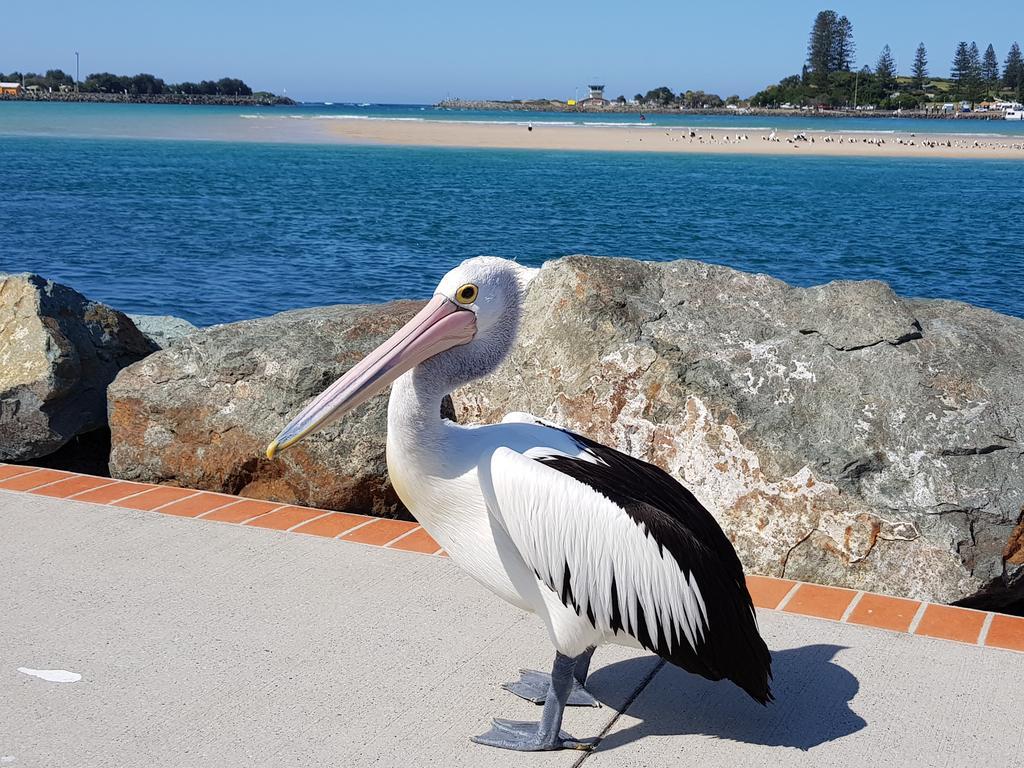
[963,625]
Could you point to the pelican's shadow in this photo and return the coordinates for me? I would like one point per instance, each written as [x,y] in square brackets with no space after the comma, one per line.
[811,707]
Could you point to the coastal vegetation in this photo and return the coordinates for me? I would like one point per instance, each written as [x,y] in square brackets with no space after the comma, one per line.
[140,85]
[830,78]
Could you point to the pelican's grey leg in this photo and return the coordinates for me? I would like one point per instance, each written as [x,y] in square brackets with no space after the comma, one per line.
[534,686]
[547,734]
[583,666]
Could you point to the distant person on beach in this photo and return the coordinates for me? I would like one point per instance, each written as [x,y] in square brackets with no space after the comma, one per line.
[529,126]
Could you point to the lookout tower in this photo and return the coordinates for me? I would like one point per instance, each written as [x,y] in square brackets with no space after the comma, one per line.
[595,98]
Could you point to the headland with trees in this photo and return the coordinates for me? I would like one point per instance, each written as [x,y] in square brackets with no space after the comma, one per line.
[831,80]
[57,85]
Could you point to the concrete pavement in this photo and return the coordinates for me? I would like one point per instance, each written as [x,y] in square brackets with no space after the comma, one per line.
[203,644]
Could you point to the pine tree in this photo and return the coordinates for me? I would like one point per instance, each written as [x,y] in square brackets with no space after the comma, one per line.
[821,46]
[961,69]
[990,68]
[885,69]
[974,72]
[920,69]
[1013,71]
[843,48]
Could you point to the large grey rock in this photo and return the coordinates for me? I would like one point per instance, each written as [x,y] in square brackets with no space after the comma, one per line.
[839,434]
[201,413]
[163,330]
[58,353]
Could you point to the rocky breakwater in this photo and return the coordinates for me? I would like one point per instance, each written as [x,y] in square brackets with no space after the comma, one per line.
[58,353]
[200,413]
[840,434]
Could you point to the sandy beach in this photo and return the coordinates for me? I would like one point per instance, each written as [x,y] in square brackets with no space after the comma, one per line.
[467,134]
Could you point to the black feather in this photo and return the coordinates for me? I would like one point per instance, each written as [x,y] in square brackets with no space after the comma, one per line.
[732,647]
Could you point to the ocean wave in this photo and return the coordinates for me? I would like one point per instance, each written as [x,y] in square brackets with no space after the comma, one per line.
[369,117]
[614,124]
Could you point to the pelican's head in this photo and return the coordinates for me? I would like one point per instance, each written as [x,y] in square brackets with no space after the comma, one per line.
[462,333]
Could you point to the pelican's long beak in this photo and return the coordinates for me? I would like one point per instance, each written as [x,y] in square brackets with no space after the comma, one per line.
[440,325]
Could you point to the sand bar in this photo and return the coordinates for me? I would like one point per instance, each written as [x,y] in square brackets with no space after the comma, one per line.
[468,134]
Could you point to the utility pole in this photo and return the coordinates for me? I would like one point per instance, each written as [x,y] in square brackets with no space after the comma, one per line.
[77,78]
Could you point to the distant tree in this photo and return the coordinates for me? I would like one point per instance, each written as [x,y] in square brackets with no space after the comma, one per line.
[663,96]
[55,78]
[843,48]
[144,84]
[990,68]
[920,67]
[1013,70]
[789,90]
[885,69]
[189,89]
[830,48]
[104,82]
[821,47]
[699,99]
[620,99]
[960,71]
[638,98]
[232,86]
[974,81]
[734,99]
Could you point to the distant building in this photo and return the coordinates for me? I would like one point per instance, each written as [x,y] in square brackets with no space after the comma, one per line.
[595,98]
[10,89]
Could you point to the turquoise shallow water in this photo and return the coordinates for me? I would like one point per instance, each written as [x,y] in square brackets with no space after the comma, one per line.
[218,231]
[312,122]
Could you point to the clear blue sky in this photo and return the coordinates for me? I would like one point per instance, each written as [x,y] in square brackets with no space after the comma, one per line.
[415,51]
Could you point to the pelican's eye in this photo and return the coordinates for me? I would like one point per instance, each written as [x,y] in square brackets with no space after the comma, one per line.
[467,294]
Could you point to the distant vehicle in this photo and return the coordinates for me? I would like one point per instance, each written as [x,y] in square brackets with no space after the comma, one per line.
[1015,114]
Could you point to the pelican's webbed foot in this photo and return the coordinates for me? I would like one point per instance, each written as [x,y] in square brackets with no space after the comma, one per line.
[547,734]
[534,686]
[525,736]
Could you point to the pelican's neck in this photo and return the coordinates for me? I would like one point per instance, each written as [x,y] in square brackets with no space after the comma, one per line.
[414,414]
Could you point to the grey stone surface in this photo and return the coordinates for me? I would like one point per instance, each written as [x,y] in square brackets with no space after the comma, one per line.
[58,352]
[163,330]
[839,433]
[201,413]
[202,644]
[844,697]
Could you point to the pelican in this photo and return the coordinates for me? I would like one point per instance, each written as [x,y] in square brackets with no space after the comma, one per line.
[603,547]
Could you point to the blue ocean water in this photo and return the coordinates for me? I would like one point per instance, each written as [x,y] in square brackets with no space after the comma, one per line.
[216,231]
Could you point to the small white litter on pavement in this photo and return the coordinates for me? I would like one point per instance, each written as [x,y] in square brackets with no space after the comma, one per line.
[52,675]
